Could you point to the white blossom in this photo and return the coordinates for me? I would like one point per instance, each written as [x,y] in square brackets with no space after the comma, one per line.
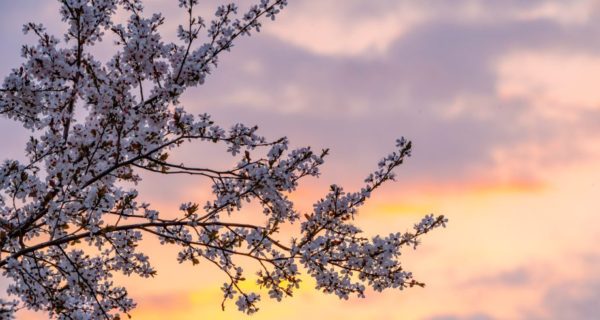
[68,224]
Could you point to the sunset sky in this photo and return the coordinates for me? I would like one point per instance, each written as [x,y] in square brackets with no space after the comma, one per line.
[501,100]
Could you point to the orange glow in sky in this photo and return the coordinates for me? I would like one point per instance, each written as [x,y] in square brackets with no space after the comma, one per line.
[501,101]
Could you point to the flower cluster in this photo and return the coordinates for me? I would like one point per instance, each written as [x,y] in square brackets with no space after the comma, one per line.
[67,221]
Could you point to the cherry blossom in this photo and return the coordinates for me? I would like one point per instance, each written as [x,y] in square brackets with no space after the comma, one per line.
[67,221]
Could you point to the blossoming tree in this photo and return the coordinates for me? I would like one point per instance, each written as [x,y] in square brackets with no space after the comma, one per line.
[67,220]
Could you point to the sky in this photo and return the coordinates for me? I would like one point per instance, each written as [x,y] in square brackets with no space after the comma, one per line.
[501,102]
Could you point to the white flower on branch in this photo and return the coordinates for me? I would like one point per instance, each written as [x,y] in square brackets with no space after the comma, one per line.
[66,222]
